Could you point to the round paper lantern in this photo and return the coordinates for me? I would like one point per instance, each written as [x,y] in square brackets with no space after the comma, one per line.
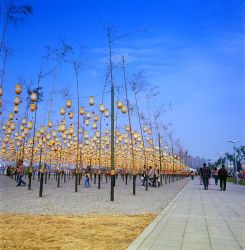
[4,127]
[12,126]
[145,128]
[87,122]
[102,108]
[149,131]
[91,100]
[107,113]
[94,126]
[119,104]
[88,115]
[26,131]
[1,91]
[81,111]
[96,118]
[18,88]
[124,109]
[33,106]
[50,124]
[24,121]
[11,116]
[71,115]
[62,111]
[68,103]
[17,100]
[42,130]
[16,109]
[29,125]
[33,97]
[62,127]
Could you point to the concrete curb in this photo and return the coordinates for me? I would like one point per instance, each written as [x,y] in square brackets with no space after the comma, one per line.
[149,229]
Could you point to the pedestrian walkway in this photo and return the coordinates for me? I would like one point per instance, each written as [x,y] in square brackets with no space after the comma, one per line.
[198,219]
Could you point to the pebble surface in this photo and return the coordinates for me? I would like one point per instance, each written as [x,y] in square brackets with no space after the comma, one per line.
[64,201]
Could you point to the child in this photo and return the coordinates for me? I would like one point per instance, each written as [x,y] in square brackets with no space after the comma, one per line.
[87,184]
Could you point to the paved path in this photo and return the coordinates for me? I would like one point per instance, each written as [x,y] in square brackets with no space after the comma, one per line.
[198,219]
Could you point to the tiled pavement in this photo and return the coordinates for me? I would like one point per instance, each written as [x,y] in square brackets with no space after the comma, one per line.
[198,219]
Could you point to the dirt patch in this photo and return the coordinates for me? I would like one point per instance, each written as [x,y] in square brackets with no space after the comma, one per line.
[70,232]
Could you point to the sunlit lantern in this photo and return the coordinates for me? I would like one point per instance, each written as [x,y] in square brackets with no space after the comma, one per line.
[50,124]
[124,109]
[71,115]
[29,125]
[18,88]
[24,121]
[81,111]
[33,97]
[42,130]
[62,111]
[16,109]
[96,118]
[145,129]
[94,126]
[87,122]
[68,103]
[91,100]
[119,104]
[17,100]
[1,91]
[102,108]
[12,126]
[33,106]
[107,113]
[149,131]
[11,116]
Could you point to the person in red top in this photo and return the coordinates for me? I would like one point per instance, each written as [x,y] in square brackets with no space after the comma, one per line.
[20,171]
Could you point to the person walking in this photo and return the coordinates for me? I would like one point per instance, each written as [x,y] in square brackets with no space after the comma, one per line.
[223,174]
[206,173]
[20,171]
[216,175]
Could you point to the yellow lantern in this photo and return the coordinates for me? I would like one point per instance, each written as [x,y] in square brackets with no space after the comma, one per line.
[62,111]
[16,109]
[22,128]
[145,128]
[119,104]
[96,118]
[33,107]
[102,108]
[107,113]
[127,128]
[18,88]
[50,124]
[26,131]
[42,130]
[124,109]
[71,115]
[68,103]
[33,97]
[81,111]
[4,127]
[11,116]
[94,126]
[91,100]
[149,131]
[17,100]
[38,134]
[88,115]
[62,128]
[24,121]
[87,122]
[12,126]
[29,125]
[1,91]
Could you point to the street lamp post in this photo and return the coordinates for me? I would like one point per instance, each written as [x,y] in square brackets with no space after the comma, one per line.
[234,147]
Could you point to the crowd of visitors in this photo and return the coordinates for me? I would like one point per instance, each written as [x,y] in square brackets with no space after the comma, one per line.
[205,173]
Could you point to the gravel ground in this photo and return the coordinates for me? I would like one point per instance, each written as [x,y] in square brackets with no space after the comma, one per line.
[64,200]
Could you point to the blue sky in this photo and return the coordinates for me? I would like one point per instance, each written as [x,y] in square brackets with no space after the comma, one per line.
[193,50]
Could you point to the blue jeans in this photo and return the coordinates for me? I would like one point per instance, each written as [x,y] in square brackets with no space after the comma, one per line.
[20,181]
[87,184]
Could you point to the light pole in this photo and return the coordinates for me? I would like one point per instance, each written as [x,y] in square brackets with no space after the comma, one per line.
[234,147]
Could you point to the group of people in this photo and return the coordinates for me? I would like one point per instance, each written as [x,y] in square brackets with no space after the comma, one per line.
[205,174]
[151,176]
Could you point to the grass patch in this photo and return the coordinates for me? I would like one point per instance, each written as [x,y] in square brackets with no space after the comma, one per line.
[232,179]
